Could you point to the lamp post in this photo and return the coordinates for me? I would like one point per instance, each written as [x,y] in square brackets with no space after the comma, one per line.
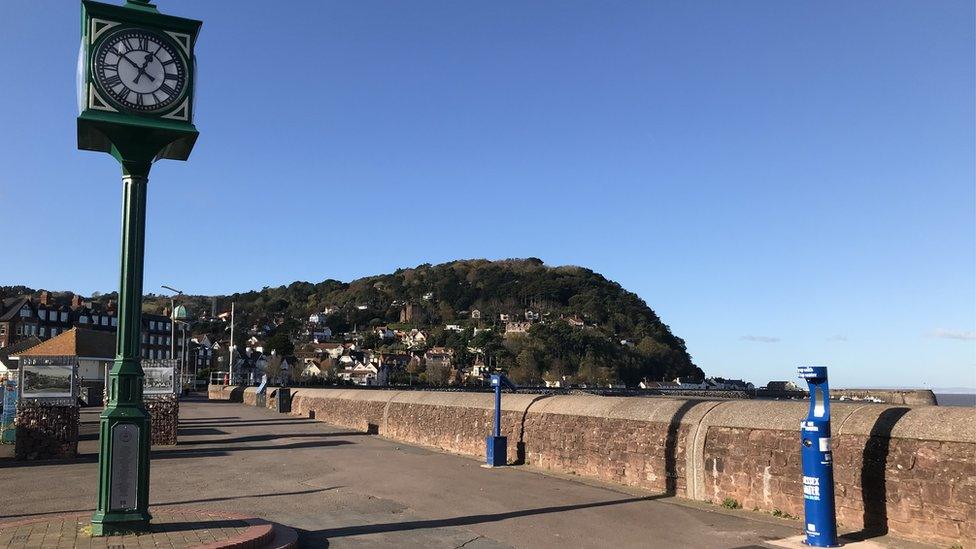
[135,96]
[172,319]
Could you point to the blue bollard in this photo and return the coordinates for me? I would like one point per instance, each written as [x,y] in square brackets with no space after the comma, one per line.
[496,451]
[818,463]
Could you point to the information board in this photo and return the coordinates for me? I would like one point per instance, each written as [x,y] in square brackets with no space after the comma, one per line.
[125,467]
[159,380]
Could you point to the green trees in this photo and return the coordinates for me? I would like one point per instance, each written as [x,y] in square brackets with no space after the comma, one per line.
[553,347]
[280,343]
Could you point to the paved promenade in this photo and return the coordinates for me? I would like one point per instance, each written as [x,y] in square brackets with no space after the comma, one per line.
[348,489]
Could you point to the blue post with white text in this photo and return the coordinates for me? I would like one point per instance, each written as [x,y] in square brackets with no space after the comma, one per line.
[818,462]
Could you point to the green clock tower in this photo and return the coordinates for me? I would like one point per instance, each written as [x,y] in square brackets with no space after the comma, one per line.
[136,73]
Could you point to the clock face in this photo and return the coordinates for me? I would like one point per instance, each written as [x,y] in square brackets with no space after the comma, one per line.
[140,70]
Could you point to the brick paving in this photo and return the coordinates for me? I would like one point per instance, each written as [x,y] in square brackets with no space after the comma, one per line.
[171,529]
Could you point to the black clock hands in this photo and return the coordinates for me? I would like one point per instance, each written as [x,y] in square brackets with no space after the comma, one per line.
[142,69]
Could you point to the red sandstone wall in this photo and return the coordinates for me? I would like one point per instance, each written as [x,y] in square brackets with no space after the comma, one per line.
[350,408]
[233,393]
[910,471]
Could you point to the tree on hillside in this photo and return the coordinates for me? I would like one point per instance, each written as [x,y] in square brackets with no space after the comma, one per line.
[415,367]
[438,374]
[281,344]
[526,370]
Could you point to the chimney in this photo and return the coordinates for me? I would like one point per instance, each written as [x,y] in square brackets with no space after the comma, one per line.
[75,301]
[45,298]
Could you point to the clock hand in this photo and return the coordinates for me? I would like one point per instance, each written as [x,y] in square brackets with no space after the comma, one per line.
[142,69]
[138,68]
[129,60]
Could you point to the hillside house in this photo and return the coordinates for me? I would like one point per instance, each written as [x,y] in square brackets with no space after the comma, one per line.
[517,328]
[574,321]
[439,356]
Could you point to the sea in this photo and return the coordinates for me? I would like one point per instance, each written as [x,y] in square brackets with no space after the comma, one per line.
[956,399]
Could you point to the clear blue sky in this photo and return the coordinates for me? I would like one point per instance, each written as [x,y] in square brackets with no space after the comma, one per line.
[784,183]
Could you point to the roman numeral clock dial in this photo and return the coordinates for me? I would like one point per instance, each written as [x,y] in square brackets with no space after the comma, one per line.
[140,70]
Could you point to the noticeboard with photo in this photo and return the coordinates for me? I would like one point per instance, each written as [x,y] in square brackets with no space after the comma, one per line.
[49,378]
[159,377]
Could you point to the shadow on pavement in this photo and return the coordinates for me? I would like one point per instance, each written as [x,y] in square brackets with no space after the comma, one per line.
[197,431]
[264,438]
[320,537]
[178,452]
[205,452]
[186,502]
[255,423]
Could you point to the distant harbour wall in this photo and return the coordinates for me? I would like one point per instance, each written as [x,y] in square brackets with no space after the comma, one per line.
[908,397]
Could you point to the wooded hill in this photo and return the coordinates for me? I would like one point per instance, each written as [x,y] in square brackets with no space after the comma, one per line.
[623,340]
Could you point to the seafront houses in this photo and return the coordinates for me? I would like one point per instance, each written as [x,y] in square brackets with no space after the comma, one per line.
[719,383]
[50,316]
[21,318]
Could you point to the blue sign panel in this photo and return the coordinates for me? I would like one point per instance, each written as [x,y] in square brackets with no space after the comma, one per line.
[10,393]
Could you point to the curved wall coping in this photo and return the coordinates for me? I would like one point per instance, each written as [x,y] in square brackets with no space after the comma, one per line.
[937,423]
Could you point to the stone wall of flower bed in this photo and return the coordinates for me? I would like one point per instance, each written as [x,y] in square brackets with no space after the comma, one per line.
[164,417]
[45,431]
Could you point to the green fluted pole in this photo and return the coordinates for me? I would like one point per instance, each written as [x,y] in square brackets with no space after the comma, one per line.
[124,437]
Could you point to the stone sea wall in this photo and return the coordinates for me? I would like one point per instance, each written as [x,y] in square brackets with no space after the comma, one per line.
[907,471]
